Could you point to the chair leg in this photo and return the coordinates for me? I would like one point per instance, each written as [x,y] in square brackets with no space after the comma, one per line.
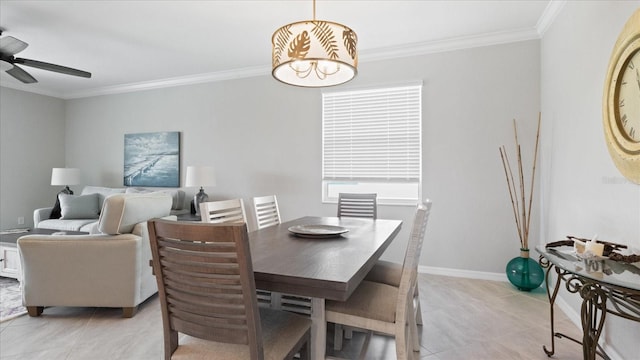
[416,296]
[337,337]
[305,351]
[403,335]
[413,333]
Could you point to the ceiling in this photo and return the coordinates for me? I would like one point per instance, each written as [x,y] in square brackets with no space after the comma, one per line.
[134,45]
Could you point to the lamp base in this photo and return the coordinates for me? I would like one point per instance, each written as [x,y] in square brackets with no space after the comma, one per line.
[56,212]
[199,198]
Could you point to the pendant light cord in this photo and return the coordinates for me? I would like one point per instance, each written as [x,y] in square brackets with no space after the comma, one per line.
[314,10]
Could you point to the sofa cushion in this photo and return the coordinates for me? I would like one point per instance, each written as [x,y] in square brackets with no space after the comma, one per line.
[177,195]
[121,212]
[79,206]
[102,192]
[67,225]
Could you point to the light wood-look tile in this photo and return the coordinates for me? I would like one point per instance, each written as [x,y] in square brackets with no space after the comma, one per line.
[463,319]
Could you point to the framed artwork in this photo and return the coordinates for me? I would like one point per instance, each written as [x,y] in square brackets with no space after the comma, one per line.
[152,159]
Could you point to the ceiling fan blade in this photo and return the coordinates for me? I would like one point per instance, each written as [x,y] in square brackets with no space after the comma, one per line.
[10,45]
[52,67]
[21,75]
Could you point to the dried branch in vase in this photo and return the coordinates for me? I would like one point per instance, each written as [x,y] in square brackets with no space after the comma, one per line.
[517,188]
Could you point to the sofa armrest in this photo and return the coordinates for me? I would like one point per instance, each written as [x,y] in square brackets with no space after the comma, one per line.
[41,214]
[83,270]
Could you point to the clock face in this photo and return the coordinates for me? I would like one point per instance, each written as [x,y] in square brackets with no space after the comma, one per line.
[628,99]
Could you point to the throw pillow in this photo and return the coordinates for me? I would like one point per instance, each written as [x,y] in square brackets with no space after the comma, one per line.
[79,206]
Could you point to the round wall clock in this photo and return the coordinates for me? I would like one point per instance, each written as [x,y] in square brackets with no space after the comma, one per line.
[621,101]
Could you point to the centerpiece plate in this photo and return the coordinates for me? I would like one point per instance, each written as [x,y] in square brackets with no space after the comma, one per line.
[317,231]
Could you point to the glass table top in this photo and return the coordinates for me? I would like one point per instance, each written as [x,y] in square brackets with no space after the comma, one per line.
[602,270]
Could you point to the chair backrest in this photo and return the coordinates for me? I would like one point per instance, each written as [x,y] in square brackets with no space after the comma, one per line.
[412,258]
[358,205]
[205,283]
[225,211]
[266,211]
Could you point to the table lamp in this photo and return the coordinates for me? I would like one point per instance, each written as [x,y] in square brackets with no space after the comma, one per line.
[65,177]
[200,176]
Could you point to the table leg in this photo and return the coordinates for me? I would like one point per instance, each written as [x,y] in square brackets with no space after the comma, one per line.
[594,309]
[552,300]
[318,329]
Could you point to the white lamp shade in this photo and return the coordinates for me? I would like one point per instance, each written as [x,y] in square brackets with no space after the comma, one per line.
[200,176]
[65,176]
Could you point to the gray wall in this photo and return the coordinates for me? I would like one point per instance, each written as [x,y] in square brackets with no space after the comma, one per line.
[583,193]
[32,142]
[265,138]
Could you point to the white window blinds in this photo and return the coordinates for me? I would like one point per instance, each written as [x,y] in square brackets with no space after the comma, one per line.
[372,135]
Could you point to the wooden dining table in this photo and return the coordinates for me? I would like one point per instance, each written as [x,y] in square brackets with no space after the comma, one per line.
[321,267]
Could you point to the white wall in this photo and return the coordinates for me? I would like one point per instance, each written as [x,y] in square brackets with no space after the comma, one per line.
[264,137]
[583,193]
[32,133]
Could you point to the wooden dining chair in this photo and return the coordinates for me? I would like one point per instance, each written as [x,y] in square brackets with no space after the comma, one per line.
[358,205]
[268,214]
[384,308]
[225,211]
[207,294]
[230,211]
[266,210]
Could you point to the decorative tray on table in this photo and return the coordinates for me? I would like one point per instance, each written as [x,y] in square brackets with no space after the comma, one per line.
[318,231]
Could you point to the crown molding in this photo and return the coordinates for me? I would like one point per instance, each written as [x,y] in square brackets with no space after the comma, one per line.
[554,7]
[452,44]
[171,82]
[27,88]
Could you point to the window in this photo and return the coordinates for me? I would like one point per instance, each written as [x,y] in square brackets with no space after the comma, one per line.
[371,142]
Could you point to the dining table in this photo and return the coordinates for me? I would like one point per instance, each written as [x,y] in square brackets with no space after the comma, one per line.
[319,266]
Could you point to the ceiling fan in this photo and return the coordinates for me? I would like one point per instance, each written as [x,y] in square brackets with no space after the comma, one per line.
[10,46]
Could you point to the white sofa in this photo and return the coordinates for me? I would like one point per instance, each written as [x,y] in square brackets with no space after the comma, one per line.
[108,269]
[82,211]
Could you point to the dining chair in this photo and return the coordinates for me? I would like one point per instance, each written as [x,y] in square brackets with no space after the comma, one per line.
[266,211]
[230,211]
[268,214]
[362,205]
[207,296]
[384,308]
[224,211]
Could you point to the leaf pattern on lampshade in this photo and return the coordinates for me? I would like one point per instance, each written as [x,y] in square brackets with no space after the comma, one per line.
[280,43]
[325,36]
[350,40]
[299,47]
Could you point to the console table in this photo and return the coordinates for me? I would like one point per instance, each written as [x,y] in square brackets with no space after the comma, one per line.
[606,286]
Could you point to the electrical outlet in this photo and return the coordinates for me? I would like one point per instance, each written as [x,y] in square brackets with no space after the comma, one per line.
[21,220]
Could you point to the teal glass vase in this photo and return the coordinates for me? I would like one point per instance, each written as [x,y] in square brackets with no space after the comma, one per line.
[524,273]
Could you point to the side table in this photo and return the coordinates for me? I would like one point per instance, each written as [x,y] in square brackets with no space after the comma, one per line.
[606,287]
[9,257]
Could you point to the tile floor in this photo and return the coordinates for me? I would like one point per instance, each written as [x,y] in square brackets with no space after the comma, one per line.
[463,319]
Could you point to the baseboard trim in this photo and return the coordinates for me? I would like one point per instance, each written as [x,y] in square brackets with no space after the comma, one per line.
[469,274]
[570,312]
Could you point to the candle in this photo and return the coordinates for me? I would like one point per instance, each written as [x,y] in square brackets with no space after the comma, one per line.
[594,247]
[579,246]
